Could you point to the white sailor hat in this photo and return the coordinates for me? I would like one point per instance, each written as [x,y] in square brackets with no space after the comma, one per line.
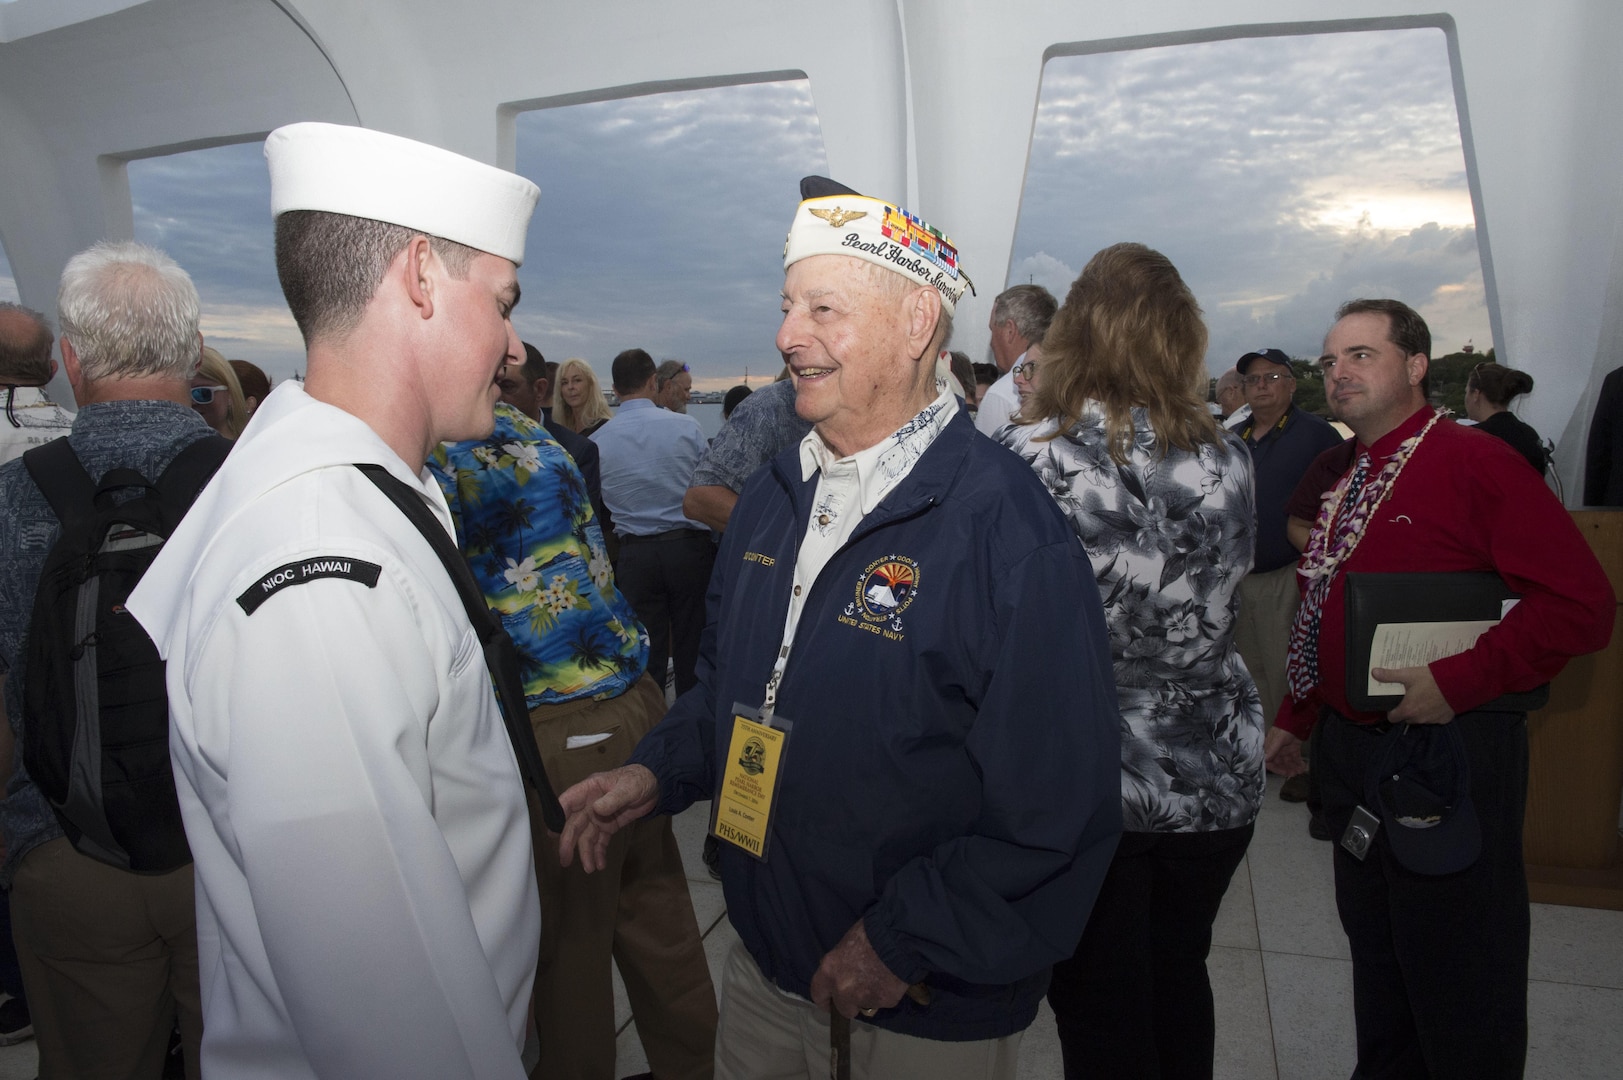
[369,174]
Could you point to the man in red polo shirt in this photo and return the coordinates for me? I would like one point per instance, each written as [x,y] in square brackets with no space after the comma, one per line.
[1439,961]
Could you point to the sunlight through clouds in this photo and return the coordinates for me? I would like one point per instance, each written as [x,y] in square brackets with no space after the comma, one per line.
[1282,175]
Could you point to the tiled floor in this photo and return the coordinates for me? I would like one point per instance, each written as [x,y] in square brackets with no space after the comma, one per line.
[1280,972]
[1282,977]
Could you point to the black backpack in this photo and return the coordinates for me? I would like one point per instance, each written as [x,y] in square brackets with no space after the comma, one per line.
[95,709]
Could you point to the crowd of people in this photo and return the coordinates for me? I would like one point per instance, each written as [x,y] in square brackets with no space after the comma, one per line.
[981,667]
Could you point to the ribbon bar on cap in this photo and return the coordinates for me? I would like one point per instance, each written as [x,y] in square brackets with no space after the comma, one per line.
[880,233]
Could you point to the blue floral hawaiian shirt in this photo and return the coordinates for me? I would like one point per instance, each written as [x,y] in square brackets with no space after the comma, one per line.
[527,528]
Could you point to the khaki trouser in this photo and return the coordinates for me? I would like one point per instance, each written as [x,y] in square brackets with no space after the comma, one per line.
[1262,632]
[767,1035]
[109,959]
[636,908]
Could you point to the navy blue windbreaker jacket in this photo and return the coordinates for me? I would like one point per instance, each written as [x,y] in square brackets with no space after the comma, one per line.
[952,776]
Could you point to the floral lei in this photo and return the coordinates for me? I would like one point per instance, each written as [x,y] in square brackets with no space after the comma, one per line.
[1325,552]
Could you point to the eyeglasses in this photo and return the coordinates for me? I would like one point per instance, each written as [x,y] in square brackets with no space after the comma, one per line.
[1255,381]
[1025,370]
[204,395]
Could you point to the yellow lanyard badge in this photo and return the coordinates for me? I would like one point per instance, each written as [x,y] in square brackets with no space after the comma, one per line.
[749,783]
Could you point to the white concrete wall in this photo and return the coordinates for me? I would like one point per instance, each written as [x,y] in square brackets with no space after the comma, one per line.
[931,101]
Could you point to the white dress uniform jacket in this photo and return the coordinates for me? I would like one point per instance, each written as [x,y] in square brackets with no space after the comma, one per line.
[366,900]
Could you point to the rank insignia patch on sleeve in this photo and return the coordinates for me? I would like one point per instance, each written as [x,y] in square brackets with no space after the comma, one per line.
[304,571]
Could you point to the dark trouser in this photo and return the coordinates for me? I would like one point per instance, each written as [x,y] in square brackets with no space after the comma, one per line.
[110,959]
[11,973]
[1135,1001]
[665,578]
[1315,793]
[1439,963]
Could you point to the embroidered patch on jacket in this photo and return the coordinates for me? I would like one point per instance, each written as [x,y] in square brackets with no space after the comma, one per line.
[885,590]
[305,571]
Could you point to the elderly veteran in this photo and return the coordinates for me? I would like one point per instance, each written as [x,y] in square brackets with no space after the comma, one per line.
[905,715]
[366,899]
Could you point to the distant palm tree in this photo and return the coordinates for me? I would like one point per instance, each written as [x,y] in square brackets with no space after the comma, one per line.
[571,493]
[530,665]
[628,664]
[514,517]
[482,540]
[588,651]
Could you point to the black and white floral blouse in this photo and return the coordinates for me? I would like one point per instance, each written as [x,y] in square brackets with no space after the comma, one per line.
[1170,538]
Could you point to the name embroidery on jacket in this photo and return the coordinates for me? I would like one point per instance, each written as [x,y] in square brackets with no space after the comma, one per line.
[305,571]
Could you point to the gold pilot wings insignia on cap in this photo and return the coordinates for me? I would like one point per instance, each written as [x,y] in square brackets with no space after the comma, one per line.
[838,216]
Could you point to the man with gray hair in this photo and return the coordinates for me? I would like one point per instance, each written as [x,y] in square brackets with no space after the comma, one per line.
[905,713]
[32,418]
[674,387]
[109,957]
[1230,396]
[367,897]
[1020,318]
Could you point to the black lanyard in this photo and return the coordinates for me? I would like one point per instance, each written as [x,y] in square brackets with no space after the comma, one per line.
[500,657]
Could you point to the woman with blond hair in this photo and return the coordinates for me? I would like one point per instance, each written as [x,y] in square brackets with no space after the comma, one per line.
[1161,497]
[580,403]
[217,395]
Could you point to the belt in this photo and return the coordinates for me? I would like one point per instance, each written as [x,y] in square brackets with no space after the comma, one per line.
[1377,727]
[669,534]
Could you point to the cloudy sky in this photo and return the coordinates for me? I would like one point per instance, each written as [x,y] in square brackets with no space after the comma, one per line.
[1281,175]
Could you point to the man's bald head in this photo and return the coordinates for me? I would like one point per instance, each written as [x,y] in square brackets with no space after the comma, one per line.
[25,346]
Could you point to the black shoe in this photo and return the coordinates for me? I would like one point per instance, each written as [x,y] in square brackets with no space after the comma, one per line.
[1317,829]
[1294,789]
[712,857]
[174,1061]
[15,1023]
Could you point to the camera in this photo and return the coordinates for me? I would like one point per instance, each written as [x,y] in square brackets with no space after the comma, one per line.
[1360,833]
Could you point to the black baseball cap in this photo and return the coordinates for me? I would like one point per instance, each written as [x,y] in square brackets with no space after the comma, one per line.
[1273,356]
[1421,787]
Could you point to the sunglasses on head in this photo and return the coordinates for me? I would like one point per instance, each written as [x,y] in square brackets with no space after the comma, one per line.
[204,395]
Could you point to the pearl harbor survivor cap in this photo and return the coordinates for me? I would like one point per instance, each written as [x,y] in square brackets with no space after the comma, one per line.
[834,220]
[362,173]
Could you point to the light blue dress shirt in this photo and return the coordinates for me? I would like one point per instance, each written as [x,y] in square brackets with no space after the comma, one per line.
[647,455]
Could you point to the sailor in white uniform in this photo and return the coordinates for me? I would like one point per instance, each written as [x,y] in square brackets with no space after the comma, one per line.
[366,900]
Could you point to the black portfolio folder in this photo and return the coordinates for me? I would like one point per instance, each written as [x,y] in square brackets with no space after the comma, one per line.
[1376,599]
